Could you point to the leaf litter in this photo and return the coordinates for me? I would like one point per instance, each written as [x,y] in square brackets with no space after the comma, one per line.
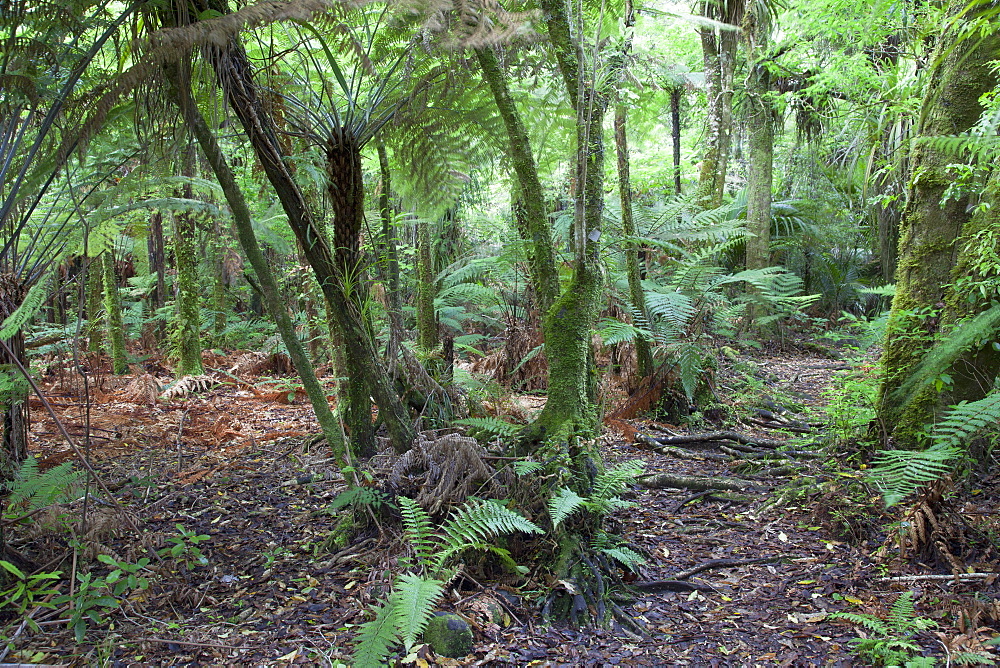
[242,467]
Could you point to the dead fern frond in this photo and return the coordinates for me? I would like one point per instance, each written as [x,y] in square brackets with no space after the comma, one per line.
[142,389]
[187,386]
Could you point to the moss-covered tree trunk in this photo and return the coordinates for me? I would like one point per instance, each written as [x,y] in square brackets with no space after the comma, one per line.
[156,250]
[427,330]
[932,224]
[719,59]
[760,134]
[113,315]
[390,256]
[187,323]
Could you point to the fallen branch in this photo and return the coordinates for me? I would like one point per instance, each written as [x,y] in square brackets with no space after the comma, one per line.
[661,480]
[719,436]
[650,442]
[658,586]
[941,578]
[781,425]
[723,563]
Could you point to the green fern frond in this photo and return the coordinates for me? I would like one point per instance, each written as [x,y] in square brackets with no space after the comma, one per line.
[526,467]
[871,623]
[613,332]
[903,616]
[418,531]
[689,363]
[478,520]
[966,419]
[627,557]
[614,480]
[492,425]
[411,603]
[474,293]
[562,504]
[375,637]
[899,473]
[29,306]
[944,353]
[31,490]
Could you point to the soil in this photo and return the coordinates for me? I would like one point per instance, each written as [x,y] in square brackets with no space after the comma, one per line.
[236,469]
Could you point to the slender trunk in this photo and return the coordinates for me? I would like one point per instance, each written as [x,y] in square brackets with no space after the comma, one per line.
[187,332]
[427,334]
[675,133]
[95,306]
[931,226]
[535,231]
[632,250]
[275,303]
[113,312]
[390,264]
[218,257]
[157,264]
[14,400]
[719,57]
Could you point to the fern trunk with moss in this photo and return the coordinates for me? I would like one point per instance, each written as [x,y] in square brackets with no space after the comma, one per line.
[932,225]
[719,58]
[113,313]
[13,388]
[274,302]
[187,324]
[427,334]
[390,256]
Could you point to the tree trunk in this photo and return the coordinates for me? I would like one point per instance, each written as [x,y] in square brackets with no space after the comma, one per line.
[187,328]
[390,260]
[113,313]
[675,133]
[275,303]
[632,250]
[719,57]
[427,330]
[95,307]
[760,135]
[14,400]
[961,74]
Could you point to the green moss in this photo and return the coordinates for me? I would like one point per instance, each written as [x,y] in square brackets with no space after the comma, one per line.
[449,635]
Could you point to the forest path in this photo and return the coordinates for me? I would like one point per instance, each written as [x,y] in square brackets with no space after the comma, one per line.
[233,465]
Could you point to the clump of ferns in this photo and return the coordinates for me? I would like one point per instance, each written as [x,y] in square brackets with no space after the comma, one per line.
[403,615]
[590,563]
[889,641]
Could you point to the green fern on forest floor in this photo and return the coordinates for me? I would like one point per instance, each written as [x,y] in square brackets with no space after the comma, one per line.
[890,640]
[31,490]
[404,614]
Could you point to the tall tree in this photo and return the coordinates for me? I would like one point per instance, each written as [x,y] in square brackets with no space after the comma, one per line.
[934,219]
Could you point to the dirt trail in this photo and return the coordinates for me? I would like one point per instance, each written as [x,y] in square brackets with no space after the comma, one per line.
[271,594]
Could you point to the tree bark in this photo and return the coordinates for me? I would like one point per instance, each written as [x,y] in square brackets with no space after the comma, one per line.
[719,58]
[113,315]
[932,224]
[427,330]
[187,328]
[760,132]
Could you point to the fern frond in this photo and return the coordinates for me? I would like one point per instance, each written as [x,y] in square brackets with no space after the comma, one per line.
[562,504]
[899,473]
[947,350]
[375,637]
[29,306]
[493,425]
[478,520]
[418,531]
[526,467]
[965,419]
[31,490]
[614,480]
[411,603]
[627,557]
[867,621]
[614,331]
[902,615]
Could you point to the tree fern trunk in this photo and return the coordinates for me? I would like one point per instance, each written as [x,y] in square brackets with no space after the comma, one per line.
[187,326]
[427,330]
[14,398]
[95,305]
[113,314]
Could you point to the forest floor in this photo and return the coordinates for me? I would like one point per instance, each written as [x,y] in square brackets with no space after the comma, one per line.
[228,474]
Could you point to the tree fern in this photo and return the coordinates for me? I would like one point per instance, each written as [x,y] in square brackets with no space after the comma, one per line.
[476,522]
[614,331]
